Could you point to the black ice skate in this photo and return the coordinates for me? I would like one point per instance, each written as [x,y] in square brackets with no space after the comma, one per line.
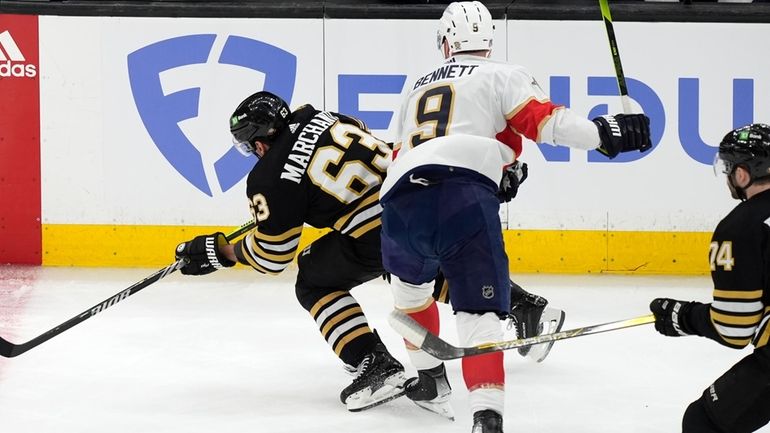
[487,421]
[551,322]
[431,391]
[531,318]
[380,378]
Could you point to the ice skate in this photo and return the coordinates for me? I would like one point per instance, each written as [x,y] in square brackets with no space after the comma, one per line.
[531,317]
[487,421]
[431,391]
[526,311]
[380,378]
[551,322]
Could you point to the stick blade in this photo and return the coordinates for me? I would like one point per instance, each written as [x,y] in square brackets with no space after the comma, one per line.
[8,349]
[407,327]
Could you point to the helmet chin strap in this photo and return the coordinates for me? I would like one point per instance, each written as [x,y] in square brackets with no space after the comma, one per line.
[740,192]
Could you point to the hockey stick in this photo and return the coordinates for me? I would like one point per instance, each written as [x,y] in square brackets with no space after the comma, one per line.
[433,345]
[9,350]
[624,99]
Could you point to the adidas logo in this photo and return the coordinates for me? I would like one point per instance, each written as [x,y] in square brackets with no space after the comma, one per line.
[293,127]
[12,61]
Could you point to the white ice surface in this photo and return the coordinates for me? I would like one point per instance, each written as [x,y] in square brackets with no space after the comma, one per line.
[233,352]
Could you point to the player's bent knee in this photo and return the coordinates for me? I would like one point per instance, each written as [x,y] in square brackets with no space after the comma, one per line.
[306,294]
[697,420]
[474,329]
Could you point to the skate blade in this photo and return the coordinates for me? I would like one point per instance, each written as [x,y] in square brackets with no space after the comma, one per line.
[443,409]
[552,321]
[392,389]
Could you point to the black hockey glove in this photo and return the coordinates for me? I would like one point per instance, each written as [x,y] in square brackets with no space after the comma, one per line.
[670,316]
[513,176]
[202,255]
[623,133]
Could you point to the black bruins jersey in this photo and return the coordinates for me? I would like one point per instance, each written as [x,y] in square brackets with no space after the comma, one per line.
[740,269]
[325,169]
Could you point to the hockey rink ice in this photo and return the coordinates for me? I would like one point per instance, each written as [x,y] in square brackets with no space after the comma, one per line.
[233,352]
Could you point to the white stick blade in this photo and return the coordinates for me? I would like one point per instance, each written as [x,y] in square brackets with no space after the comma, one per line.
[407,327]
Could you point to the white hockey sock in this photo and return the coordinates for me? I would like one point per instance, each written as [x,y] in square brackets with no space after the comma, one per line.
[484,375]
[483,399]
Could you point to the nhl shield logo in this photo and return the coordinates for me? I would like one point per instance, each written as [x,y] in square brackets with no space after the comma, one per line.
[488,292]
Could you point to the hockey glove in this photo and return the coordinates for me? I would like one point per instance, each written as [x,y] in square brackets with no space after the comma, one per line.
[670,316]
[623,133]
[202,255]
[513,176]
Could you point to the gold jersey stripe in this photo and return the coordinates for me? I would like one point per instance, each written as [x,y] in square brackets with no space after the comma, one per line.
[764,336]
[279,258]
[253,264]
[520,107]
[740,342]
[328,299]
[729,319]
[277,238]
[543,122]
[444,293]
[340,317]
[373,197]
[350,337]
[366,228]
[738,294]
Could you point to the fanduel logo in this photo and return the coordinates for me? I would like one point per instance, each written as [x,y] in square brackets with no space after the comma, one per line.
[161,113]
[12,61]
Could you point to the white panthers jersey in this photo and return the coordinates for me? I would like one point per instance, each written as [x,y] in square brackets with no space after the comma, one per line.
[472,112]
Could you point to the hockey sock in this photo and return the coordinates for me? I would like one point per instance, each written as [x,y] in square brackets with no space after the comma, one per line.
[485,378]
[416,301]
[344,327]
[484,374]
[427,317]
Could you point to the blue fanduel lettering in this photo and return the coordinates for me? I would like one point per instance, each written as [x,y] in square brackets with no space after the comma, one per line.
[350,87]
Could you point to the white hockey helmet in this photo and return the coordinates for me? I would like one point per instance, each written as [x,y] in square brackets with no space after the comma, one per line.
[466,26]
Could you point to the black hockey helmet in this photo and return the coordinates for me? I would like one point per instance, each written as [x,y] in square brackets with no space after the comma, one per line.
[747,147]
[261,116]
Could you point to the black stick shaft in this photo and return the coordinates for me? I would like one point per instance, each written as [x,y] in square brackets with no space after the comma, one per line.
[622,87]
[9,350]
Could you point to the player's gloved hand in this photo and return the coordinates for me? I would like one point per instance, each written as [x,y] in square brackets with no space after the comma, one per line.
[513,176]
[202,255]
[670,316]
[623,133]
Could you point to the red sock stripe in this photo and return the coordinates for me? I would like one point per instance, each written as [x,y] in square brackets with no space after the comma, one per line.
[484,371]
[428,318]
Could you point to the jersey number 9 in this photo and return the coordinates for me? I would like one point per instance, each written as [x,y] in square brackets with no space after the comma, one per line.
[434,110]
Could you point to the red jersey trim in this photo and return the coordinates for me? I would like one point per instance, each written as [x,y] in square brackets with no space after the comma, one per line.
[528,119]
